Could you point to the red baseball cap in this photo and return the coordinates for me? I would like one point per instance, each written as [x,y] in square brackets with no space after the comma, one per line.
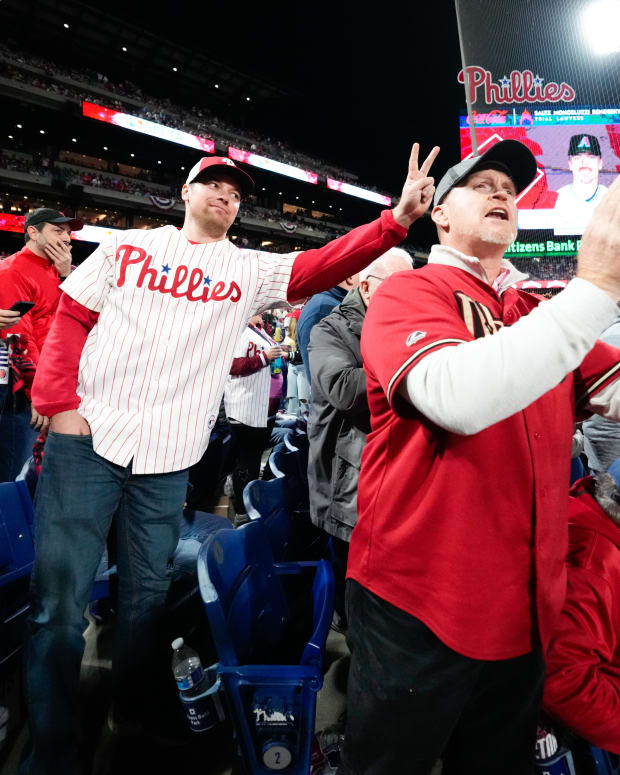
[246,184]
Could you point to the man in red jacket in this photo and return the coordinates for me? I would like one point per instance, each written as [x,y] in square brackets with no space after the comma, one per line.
[582,689]
[32,274]
[132,376]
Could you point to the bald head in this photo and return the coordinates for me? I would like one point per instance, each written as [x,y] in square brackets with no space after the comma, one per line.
[395,260]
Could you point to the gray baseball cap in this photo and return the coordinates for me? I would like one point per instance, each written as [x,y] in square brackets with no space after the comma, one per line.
[515,158]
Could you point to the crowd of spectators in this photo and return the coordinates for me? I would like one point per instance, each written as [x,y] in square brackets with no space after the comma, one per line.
[195,119]
[126,185]
[547,267]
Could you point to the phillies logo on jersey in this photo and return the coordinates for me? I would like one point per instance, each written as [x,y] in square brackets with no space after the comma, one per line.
[521,86]
[478,318]
[194,285]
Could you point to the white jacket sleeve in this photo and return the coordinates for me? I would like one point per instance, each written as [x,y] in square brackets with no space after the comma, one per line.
[471,386]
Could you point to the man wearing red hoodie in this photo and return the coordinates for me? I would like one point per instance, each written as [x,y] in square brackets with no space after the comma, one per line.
[32,274]
[582,689]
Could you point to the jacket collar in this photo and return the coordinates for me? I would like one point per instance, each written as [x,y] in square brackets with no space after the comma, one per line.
[509,275]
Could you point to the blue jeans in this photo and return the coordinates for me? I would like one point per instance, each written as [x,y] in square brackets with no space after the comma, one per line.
[16,436]
[78,494]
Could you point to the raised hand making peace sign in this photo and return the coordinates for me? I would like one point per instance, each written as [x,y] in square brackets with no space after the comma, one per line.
[418,190]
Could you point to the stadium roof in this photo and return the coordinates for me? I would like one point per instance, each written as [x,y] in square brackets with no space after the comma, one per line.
[108,43]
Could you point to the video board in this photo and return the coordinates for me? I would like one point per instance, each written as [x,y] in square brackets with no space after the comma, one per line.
[578,155]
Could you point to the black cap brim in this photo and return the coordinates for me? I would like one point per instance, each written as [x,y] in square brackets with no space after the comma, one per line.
[74,223]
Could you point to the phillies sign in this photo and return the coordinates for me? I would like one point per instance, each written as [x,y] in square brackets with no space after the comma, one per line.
[521,86]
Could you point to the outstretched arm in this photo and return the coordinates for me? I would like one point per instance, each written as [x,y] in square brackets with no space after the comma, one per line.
[323,268]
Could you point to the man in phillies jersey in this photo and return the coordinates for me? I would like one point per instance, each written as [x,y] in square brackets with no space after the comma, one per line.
[456,565]
[132,375]
[246,400]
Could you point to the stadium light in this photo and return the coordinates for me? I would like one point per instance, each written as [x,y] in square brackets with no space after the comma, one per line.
[158,161]
[105,147]
[247,99]
[11,137]
[132,155]
[74,139]
[125,49]
[41,131]
[175,70]
[601,25]
[66,26]
[19,126]
[217,86]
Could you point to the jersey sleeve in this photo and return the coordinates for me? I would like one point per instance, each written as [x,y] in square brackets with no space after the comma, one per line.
[90,282]
[274,274]
[597,387]
[409,317]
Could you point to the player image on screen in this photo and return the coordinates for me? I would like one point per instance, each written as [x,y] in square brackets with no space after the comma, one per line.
[577,200]
[578,156]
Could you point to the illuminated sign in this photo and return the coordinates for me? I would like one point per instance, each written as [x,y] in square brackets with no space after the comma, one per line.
[361,193]
[272,166]
[10,222]
[520,86]
[136,124]
[89,233]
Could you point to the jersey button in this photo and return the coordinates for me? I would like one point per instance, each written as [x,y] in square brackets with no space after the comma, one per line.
[537,435]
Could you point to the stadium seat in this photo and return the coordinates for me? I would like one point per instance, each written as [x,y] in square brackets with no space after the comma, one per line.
[291,533]
[270,675]
[292,465]
[605,763]
[16,520]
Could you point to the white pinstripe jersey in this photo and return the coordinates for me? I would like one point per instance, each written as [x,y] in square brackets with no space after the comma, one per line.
[246,399]
[153,368]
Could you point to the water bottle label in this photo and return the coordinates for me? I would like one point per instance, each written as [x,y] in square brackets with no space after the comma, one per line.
[203,713]
[194,678]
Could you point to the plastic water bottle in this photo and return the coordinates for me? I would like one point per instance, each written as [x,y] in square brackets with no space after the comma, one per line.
[186,667]
[199,694]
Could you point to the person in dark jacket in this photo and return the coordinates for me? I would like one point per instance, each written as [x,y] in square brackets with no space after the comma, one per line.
[318,307]
[340,418]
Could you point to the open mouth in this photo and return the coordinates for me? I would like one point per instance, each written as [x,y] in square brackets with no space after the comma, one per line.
[498,213]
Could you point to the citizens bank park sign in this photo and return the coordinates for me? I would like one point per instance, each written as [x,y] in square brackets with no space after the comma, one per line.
[520,86]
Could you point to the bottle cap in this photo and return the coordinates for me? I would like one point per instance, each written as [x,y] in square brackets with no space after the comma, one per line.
[178,643]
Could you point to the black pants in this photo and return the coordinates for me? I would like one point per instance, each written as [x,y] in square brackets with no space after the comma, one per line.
[413,700]
[249,445]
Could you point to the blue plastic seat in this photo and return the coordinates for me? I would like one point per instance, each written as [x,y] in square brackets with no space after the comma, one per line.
[269,674]
[16,520]
[291,533]
[293,466]
[605,763]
